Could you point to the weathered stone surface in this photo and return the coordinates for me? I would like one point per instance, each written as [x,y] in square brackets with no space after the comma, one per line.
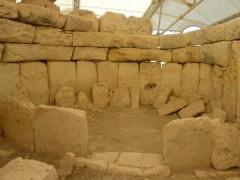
[67,130]
[8,9]
[138,25]
[65,97]
[128,74]
[215,33]
[93,164]
[83,101]
[34,81]
[130,159]
[193,109]
[40,16]
[133,54]
[183,142]
[141,41]
[109,157]
[232,30]
[135,96]
[172,106]
[197,37]
[123,170]
[90,15]
[35,52]
[217,86]
[218,53]
[121,98]
[90,54]
[60,74]
[198,54]
[190,82]
[226,147]
[162,97]
[108,73]
[171,76]
[66,165]
[159,171]
[52,36]
[78,23]
[219,114]
[1,51]
[174,41]
[100,95]
[43,3]
[86,76]
[28,169]
[15,32]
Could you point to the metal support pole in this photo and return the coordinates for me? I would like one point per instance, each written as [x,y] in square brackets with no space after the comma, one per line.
[160,17]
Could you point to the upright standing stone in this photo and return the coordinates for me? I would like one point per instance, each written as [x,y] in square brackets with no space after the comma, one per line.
[217,87]
[100,95]
[121,98]
[128,74]
[135,96]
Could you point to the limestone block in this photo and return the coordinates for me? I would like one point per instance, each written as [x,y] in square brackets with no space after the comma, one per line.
[217,87]
[141,41]
[172,106]
[192,110]
[128,74]
[16,118]
[40,16]
[226,147]
[109,157]
[34,80]
[92,164]
[8,9]
[67,130]
[121,98]
[91,17]
[35,52]
[90,54]
[108,73]
[218,53]
[78,23]
[100,95]
[43,3]
[190,82]
[15,32]
[219,114]
[197,37]
[1,51]
[182,55]
[114,23]
[65,97]
[171,76]
[162,97]
[215,33]
[232,30]
[83,101]
[123,170]
[139,25]
[98,39]
[174,41]
[66,165]
[133,54]
[28,169]
[159,171]
[52,36]
[150,76]
[198,54]
[183,142]
[130,159]
[135,96]
[60,74]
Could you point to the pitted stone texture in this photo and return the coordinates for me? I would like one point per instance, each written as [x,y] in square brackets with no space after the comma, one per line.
[34,80]
[128,74]
[133,54]
[52,36]
[100,95]
[67,130]
[183,142]
[109,157]
[60,74]
[65,97]
[162,97]
[90,54]
[233,30]
[8,9]
[139,25]
[193,109]
[215,33]
[19,169]
[78,23]
[121,98]
[43,3]
[40,16]
[15,32]
[36,52]
[135,96]
[174,41]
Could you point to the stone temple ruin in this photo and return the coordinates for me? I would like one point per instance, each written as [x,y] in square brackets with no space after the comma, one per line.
[61,74]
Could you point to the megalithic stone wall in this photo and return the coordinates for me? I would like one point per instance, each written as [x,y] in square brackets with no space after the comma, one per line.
[42,50]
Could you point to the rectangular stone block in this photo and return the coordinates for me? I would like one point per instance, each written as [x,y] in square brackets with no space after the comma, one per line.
[66,130]
[15,32]
[100,95]
[217,86]
[233,30]
[90,54]
[128,74]
[35,52]
[193,109]
[215,33]
[78,23]
[174,41]
[52,36]
[86,76]
[197,37]
[8,9]
[60,74]
[34,82]
[190,81]
[108,73]
[141,41]
[139,25]
[133,54]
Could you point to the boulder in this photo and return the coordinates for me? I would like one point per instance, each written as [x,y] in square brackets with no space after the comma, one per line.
[78,23]
[121,98]
[65,97]
[90,54]
[67,130]
[8,9]
[139,25]
[162,97]
[193,109]
[43,3]
[174,41]
[100,95]
[128,74]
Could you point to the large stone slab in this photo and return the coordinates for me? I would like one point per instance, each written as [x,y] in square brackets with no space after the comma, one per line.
[121,98]
[90,54]
[232,29]
[40,16]
[217,98]
[190,82]
[35,52]
[193,109]
[139,25]
[34,81]
[78,23]
[215,33]
[133,54]
[52,36]
[28,169]
[15,32]
[197,37]
[8,9]
[67,130]
[100,95]
[43,3]
[174,41]
[60,74]
[141,41]
[86,76]
[128,74]
[183,142]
